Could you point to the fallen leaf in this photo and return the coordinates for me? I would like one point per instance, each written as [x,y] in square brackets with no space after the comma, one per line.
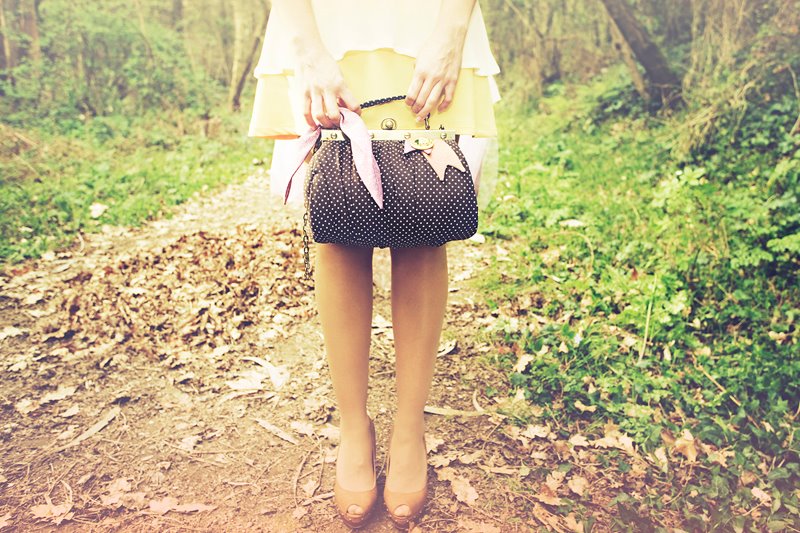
[572,523]
[555,479]
[56,513]
[461,487]
[721,457]
[548,496]
[539,455]
[164,505]
[578,440]
[578,485]
[310,487]
[464,491]
[188,443]
[469,458]
[299,512]
[115,489]
[303,427]
[432,443]
[572,223]
[747,478]
[580,406]
[685,445]
[524,360]
[97,209]
[25,406]
[536,432]
[762,496]
[10,331]
[71,411]
[5,520]
[661,458]
[329,432]
[447,348]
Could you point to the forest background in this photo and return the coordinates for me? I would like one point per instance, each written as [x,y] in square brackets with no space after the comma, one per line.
[649,182]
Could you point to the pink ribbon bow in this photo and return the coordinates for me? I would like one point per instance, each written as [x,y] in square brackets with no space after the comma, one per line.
[354,128]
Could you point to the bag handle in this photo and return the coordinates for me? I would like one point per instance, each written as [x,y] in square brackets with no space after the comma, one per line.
[380,101]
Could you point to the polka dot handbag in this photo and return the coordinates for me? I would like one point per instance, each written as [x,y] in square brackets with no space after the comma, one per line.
[428,194]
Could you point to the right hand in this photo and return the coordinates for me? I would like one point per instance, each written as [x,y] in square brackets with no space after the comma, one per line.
[324,91]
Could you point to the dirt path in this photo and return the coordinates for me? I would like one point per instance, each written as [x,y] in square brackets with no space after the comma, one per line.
[171,378]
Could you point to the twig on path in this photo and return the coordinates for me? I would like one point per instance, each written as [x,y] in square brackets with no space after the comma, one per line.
[109,415]
[275,430]
[318,498]
[486,438]
[190,455]
[297,477]
[445,411]
[50,490]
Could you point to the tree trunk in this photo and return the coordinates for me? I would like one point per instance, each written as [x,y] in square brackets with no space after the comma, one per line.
[235,95]
[177,15]
[29,24]
[665,86]
[627,56]
[236,56]
[8,53]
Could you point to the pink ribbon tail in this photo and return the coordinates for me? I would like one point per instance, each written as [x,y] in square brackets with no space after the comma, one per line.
[364,160]
[440,156]
[304,145]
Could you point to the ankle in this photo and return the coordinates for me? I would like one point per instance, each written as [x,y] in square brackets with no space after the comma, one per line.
[354,422]
[409,426]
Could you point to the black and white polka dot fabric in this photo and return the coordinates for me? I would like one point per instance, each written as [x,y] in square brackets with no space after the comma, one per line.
[419,209]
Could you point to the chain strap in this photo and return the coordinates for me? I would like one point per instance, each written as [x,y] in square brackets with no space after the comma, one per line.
[379,101]
[306,240]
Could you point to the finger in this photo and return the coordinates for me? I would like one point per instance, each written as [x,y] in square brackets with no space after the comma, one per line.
[422,98]
[449,93]
[346,99]
[413,89]
[332,112]
[431,101]
[307,111]
[318,110]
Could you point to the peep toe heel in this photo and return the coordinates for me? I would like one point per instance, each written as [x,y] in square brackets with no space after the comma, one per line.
[365,499]
[414,500]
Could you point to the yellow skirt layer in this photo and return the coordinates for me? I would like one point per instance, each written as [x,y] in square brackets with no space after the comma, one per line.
[371,75]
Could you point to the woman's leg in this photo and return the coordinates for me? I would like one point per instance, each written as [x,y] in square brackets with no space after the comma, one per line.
[344,299]
[419,298]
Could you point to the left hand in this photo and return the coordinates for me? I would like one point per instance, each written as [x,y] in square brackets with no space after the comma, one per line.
[435,76]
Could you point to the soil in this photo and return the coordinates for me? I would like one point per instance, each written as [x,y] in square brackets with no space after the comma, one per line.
[172,378]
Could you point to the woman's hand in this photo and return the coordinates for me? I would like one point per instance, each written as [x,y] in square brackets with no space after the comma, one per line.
[324,90]
[435,76]
[439,61]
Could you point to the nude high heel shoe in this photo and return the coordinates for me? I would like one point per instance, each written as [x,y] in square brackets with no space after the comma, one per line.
[365,499]
[414,500]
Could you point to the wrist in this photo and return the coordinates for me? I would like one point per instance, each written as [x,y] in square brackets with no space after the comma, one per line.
[307,50]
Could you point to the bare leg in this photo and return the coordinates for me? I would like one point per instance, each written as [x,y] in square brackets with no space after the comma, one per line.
[344,299]
[419,298]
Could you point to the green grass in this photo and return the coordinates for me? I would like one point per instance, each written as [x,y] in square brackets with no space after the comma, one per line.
[139,169]
[649,286]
